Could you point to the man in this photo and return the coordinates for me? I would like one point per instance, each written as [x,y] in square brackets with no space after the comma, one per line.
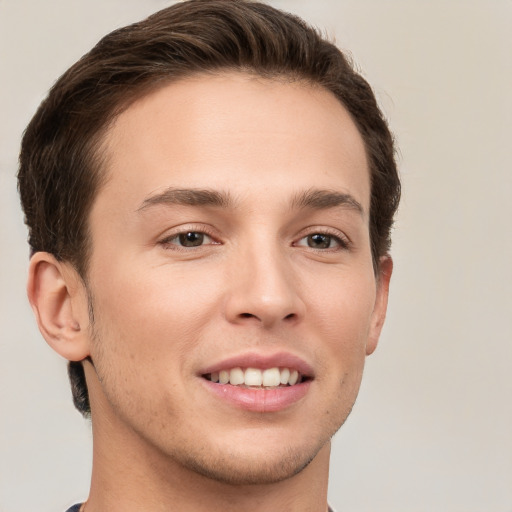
[209,195]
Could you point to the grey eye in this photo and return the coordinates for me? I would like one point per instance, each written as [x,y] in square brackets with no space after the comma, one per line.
[319,241]
[187,240]
[191,239]
[322,241]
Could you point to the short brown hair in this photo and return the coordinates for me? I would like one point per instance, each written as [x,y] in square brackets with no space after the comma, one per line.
[61,169]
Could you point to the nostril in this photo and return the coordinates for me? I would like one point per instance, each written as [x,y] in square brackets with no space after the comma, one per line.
[290,316]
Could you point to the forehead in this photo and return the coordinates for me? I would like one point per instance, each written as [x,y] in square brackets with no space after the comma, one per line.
[250,134]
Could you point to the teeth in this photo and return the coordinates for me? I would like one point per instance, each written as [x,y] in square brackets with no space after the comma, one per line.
[255,377]
[236,376]
[223,377]
[272,377]
[285,376]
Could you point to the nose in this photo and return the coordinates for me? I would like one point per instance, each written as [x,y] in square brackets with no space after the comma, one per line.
[264,290]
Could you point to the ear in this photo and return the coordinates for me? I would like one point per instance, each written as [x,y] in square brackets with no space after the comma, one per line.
[381,302]
[59,301]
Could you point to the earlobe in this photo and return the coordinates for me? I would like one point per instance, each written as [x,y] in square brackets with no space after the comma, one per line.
[55,293]
[381,303]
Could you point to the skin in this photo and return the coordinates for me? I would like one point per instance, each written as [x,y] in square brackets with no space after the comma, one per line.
[163,312]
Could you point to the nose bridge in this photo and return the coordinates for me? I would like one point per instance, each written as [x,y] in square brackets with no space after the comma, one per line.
[263,286]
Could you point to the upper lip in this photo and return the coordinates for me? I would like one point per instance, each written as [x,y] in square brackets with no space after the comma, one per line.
[263,362]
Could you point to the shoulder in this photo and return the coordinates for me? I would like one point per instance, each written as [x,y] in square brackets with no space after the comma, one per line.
[74,508]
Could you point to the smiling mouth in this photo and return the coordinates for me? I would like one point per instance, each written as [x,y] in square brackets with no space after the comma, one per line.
[255,378]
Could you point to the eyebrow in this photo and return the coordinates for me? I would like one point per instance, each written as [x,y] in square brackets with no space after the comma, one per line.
[188,197]
[318,199]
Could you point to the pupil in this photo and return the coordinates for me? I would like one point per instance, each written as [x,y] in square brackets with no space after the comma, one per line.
[191,239]
[319,241]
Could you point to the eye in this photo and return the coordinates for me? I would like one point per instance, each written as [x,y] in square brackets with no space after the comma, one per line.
[188,239]
[322,241]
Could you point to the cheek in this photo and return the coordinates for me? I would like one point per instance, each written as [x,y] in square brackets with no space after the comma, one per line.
[344,307]
[148,332]
[162,315]
[153,315]
[343,310]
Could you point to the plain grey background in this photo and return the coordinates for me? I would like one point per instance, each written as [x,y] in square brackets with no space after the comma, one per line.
[431,430]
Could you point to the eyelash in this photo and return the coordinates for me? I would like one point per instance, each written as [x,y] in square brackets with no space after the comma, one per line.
[343,243]
[167,242]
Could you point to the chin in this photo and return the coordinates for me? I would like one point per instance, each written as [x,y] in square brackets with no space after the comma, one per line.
[260,458]
[237,470]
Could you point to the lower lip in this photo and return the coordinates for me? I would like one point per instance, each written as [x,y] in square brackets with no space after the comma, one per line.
[259,400]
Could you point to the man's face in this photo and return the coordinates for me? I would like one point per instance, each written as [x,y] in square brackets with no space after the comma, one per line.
[232,234]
